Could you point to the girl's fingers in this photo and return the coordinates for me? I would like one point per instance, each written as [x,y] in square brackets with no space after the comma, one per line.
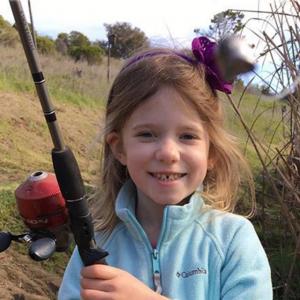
[96,284]
[93,295]
[103,272]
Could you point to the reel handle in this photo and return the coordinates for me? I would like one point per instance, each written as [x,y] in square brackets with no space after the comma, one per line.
[42,249]
[5,240]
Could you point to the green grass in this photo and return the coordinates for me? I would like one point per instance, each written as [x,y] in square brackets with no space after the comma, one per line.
[263,119]
[9,82]
[60,92]
[10,219]
[73,97]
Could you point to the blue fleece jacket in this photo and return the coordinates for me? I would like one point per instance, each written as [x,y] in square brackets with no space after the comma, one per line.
[202,253]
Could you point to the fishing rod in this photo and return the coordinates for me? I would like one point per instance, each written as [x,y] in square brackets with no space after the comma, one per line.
[64,162]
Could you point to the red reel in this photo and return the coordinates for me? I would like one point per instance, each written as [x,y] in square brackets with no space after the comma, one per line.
[43,208]
[40,202]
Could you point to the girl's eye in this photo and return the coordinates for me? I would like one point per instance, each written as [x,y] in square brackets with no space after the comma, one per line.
[188,136]
[145,134]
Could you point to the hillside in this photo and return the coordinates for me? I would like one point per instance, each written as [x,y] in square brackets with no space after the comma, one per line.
[25,147]
[22,121]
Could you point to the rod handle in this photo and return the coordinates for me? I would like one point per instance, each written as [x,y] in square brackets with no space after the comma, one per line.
[72,188]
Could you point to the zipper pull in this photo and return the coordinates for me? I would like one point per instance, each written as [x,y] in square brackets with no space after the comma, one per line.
[156,271]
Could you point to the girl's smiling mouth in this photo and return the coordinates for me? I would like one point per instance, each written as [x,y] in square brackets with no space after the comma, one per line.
[167,176]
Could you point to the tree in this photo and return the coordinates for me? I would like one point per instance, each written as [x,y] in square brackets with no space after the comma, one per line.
[78,39]
[62,43]
[223,24]
[77,44]
[45,44]
[128,39]
[79,47]
[8,34]
[93,54]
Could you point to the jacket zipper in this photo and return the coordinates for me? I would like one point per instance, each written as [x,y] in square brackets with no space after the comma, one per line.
[156,271]
[155,254]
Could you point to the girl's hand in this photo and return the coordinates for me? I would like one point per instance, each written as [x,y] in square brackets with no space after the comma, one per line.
[101,282]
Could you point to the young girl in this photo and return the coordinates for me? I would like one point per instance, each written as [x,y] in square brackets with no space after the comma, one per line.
[169,179]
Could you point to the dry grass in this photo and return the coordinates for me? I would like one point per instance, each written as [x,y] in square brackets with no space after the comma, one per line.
[66,80]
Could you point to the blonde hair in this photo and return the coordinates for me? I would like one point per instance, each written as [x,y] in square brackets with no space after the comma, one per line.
[140,78]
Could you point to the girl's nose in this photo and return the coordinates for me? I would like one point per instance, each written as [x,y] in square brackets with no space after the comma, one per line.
[168,151]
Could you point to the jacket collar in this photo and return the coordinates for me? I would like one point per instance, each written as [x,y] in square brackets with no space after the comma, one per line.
[175,219]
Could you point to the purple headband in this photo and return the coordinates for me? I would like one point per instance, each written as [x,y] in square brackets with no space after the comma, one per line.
[204,52]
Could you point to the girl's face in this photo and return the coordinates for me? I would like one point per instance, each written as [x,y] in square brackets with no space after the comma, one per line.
[164,147]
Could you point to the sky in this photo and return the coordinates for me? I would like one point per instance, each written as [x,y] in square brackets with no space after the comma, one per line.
[162,20]
[165,22]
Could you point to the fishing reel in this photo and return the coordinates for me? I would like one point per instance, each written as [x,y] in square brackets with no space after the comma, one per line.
[43,210]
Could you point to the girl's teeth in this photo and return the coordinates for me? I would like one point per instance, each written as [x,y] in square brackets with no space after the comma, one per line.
[167,177]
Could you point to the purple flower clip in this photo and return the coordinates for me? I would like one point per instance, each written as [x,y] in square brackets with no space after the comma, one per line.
[204,51]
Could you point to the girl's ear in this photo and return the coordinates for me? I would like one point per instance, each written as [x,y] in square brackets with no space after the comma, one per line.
[210,164]
[114,141]
[211,161]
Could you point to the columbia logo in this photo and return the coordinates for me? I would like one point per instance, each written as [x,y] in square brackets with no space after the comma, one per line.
[187,274]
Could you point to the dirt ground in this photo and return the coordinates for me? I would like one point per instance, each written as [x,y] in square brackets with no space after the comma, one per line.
[21,278]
